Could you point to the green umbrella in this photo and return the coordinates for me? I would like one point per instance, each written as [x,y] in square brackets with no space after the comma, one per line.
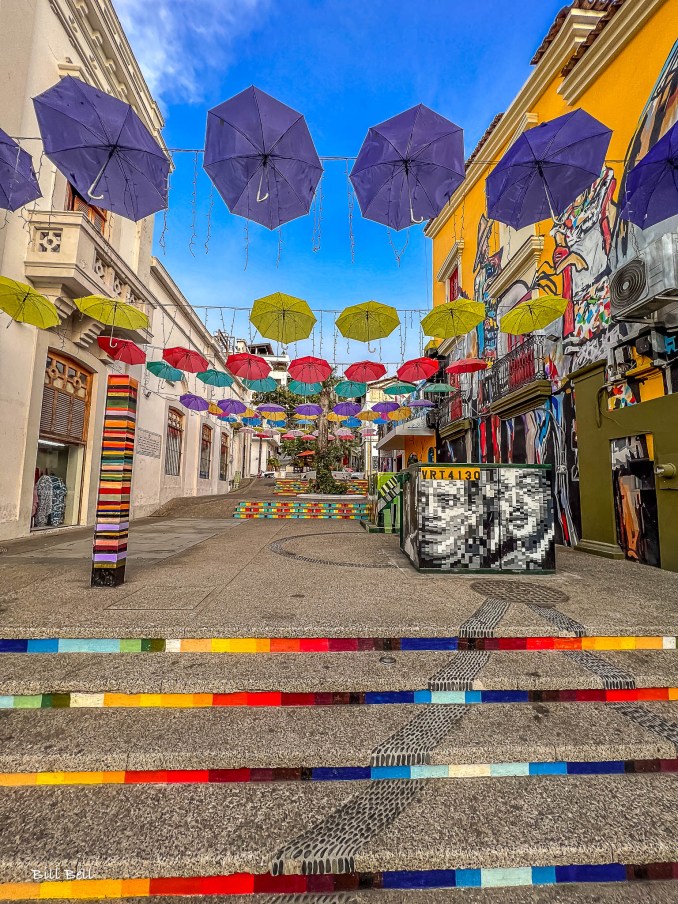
[304,389]
[283,318]
[400,389]
[368,321]
[438,387]
[164,371]
[214,377]
[455,318]
[265,384]
[350,389]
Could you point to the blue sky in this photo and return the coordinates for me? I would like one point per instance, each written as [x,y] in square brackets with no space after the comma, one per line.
[345,66]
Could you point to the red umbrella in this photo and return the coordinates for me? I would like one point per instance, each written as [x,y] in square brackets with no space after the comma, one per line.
[307,452]
[365,371]
[466,366]
[247,366]
[417,369]
[122,350]
[309,369]
[185,359]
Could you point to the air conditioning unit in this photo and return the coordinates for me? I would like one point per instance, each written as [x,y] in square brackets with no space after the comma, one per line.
[648,282]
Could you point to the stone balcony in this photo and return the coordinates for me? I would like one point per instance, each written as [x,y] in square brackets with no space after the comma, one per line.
[518,381]
[68,258]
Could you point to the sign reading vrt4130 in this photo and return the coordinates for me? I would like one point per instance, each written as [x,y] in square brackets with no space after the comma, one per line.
[448,473]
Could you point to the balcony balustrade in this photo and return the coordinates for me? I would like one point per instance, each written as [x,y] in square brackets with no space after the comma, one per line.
[521,367]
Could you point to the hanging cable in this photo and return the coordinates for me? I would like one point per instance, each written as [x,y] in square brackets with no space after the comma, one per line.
[351,202]
[162,241]
[194,209]
[317,217]
[209,219]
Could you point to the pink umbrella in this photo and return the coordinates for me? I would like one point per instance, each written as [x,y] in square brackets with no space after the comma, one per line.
[417,369]
[309,369]
[365,371]
[385,407]
[185,359]
[122,350]
[309,438]
[289,435]
[247,366]
[193,402]
[232,406]
[466,366]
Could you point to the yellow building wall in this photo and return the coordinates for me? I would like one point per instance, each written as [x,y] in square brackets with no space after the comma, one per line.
[420,445]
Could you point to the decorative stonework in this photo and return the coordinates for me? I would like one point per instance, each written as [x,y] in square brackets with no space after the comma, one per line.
[49,240]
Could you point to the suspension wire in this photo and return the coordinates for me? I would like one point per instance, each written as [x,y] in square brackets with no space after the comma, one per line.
[162,241]
[317,217]
[194,211]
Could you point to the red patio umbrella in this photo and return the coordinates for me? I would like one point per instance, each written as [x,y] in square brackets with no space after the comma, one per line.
[466,366]
[307,452]
[417,369]
[247,366]
[185,359]
[365,371]
[309,369]
[122,350]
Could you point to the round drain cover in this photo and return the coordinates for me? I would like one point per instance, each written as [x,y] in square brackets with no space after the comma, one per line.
[520,592]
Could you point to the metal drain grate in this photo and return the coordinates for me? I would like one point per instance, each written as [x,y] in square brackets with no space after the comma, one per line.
[279,549]
[520,592]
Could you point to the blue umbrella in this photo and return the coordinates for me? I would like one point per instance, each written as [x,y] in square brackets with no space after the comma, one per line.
[18,183]
[651,193]
[352,422]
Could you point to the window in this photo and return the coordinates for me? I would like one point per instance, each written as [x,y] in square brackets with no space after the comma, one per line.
[75,201]
[223,458]
[65,399]
[205,451]
[175,441]
[453,285]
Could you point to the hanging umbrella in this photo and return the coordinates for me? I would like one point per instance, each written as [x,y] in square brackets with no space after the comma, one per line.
[400,389]
[534,314]
[266,384]
[304,389]
[251,367]
[351,422]
[365,371]
[122,350]
[25,305]
[276,416]
[306,453]
[309,369]
[18,182]
[185,359]
[271,407]
[385,407]
[232,406]
[300,419]
[164,371]
[260,156]
[438,388]
[651,193]
[408,168]
[251,421]
[455,318]
[334,418]
[346,409]
[193,402]
[331,437]
[296,433]
[421,403]
[289,435]
[368,321]
[102,147]
[546,168]
[213,408]
[309,410]
[380,421]
[418,369]
[227,418]
[466,366]
[349,389]
[250,412]
[367,415]
[400,415]
[308,438]
[212,377]
[113,312]
[282,318]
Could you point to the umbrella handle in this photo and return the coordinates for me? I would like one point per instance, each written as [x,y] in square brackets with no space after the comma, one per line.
[93,186]
[261,197]
[412,216]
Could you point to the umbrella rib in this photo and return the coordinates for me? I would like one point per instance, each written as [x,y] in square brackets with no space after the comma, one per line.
[261,121]
[383,184]
[286,181]
[385,138]
[433,141]
[78,122]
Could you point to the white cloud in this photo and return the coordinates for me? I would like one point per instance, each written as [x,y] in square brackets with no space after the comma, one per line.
[182,44]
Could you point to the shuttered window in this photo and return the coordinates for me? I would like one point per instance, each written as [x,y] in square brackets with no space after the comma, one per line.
[175,441]
[223,458]
[205,451]
[96,215]
[65,400]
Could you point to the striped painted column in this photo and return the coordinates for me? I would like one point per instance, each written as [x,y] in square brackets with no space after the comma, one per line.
[109,554]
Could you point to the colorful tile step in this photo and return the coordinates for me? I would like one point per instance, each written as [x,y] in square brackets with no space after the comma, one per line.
[338,773]
[265,883]
[355,698]
[325,644]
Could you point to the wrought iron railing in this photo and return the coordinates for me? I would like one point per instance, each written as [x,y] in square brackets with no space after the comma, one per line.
[521,366]
[453,408]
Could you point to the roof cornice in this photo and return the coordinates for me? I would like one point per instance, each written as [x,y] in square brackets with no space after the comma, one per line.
[450,261]
[526,257]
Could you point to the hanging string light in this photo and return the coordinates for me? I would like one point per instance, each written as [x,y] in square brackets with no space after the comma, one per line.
[209,219]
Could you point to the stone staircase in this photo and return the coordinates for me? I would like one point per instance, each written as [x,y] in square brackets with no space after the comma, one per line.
[289,486]
[325,509]
[475,768]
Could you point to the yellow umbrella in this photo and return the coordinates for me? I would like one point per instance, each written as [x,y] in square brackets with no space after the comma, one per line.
[112,312]
[25,305]
[400,415]
[303,417]
[214,409]
[368,321]
[532,315]
[282,317]
[250,412]
[274,415]
[367,415]
[335,418]
[455,318]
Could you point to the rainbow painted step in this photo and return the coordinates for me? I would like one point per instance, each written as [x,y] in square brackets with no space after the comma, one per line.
[293,487]
[329,510]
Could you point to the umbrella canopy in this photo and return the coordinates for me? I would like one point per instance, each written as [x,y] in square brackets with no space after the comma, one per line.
[368,321]
[250,412]
[260,156]
[193,402]
[289,435]
[164,371]
[408,168]
[185,359]
[283,318]
[455,318]
[346,409]
[212,377]
[308,438]
[266,384]
[122,350]
[400,389]
[418,369]
[18,183]
[438,388]
[304,389]
[305,454]
[309,410]
[651,193]
[102,147]
[300,419]
[381,421]
[350,389]
[251,367]
[532,315]
[385,407]
[421,403]
[25,305]
[466,366]
[309,369]
[367,415]
[400,415]
[334,418]
[296,433]
[113,312]
[275,417]
[213,408]
[365,371]
[251,421]
[232,406]
[351,422]
[546,168]
[227,418]
[271,407]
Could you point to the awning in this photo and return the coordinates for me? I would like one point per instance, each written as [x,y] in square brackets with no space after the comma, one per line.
[395,439]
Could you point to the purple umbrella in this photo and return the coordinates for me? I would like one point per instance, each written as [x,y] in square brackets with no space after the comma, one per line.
[346,409]
[18,183]
[260,156]
[193,402]
[309,409]
[546,168]
[103,148]
[651,192]
[421,403]
[232,406]
[385,407]
[270,406]
[408,167]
